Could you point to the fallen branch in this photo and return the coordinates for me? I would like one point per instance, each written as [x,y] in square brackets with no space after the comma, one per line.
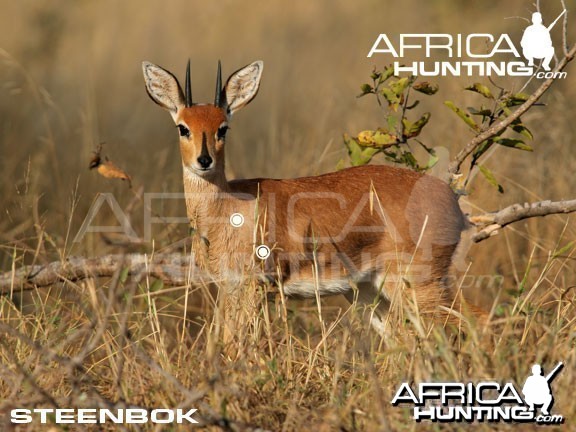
[173,269]
[489,224]
[179,269]
[456,163]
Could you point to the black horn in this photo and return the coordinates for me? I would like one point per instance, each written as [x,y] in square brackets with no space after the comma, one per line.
[188,87]
[218,85]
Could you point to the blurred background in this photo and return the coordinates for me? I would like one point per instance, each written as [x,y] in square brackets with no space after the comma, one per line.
[70,79]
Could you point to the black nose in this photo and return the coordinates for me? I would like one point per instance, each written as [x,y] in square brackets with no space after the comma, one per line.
[205,161]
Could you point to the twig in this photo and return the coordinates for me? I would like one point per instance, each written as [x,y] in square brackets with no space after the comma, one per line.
[564,29]
[490,223]
[456,163]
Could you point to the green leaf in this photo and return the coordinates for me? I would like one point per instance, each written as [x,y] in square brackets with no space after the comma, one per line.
[463,115]
[518,127]
[392,155]
[490,177]
[413,105]
[365,156]
[388,72]
[359,155]
[412,130]
[429,150]
[399,86]
[124,274]
[366,89]
[431,161]
[512,100]
[426,87]
[409,159]
[365,137]
[482,148]
[516,99]
[485,112]
[514,143]
[384,139]
[157,285]
[391,121]
[481,89]
[507,111]
[377,138]
[392,98]
[340,165]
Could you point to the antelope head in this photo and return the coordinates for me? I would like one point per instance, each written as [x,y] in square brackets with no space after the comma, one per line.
[202,127]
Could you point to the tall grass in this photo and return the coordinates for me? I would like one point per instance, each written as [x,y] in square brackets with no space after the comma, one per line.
[287,366]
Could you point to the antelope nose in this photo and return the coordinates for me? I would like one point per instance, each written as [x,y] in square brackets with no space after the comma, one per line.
[205,161]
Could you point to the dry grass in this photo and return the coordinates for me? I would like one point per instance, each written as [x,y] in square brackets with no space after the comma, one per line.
[85,345]
[71,79]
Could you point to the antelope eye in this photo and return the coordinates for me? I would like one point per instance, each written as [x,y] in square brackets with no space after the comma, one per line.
[222,131]
[184,131]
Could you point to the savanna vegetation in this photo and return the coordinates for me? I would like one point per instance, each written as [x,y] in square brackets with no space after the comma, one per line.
[71,86]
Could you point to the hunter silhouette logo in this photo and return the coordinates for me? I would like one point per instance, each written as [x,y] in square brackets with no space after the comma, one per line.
[483,401]
[474,54]
[536,41]
[537,389]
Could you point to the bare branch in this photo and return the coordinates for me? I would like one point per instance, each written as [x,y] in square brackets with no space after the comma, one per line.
[489,224]
[173,268]
[454,167]
[564,29]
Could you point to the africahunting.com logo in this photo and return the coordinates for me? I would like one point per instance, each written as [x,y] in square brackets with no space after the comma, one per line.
[476,54]
[486,401]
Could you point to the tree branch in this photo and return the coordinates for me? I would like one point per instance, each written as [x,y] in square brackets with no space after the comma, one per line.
[179,269]
[456,163]
[173,268]
[489,224]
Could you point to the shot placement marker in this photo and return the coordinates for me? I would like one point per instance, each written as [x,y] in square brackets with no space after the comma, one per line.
[236,220]
[262,252]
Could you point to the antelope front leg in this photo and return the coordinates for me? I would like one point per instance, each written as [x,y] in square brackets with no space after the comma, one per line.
[374,307]
[237,309]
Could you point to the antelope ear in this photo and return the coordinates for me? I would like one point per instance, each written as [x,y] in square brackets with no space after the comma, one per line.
[163,88]
[242,86]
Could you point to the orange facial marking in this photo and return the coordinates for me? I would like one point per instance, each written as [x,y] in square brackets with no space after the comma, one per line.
[203,118]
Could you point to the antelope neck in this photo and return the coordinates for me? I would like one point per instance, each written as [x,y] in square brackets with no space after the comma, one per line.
[204,195]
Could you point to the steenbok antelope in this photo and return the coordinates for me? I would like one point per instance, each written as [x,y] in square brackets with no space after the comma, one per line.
[365,232]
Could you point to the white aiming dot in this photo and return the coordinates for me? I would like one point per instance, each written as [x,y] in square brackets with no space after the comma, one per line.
[237,220]
[262,252]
